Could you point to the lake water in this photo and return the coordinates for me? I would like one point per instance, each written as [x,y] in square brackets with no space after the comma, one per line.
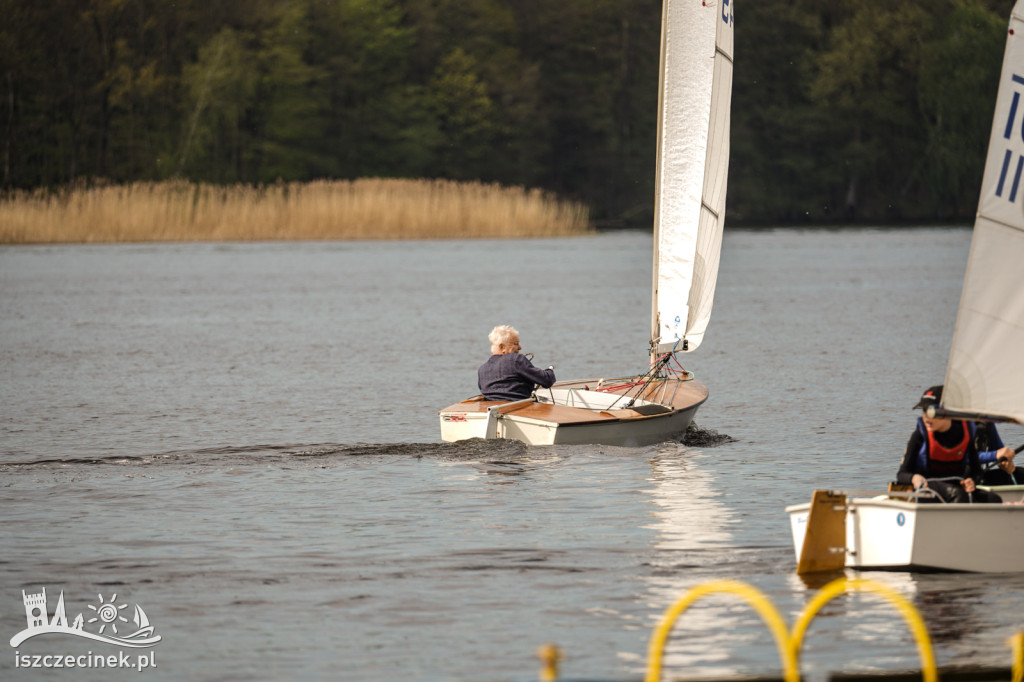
[243,440]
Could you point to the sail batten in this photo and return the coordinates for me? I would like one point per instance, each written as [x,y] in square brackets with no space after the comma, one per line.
[693,161]
[985,374]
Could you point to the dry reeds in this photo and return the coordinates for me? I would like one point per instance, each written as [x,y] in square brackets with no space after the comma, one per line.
[320,210]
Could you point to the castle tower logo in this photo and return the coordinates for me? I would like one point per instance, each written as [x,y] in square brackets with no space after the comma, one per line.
[107,623]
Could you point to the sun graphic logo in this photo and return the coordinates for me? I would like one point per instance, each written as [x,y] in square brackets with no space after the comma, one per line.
[108,614]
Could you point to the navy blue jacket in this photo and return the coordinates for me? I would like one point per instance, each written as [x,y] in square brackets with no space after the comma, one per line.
[511,377]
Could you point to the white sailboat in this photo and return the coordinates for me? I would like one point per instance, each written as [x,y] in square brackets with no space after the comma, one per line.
[695,94]
[984,380]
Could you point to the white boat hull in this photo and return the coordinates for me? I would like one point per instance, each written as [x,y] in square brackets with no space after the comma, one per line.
[572,414]
[883,533]
[539,432]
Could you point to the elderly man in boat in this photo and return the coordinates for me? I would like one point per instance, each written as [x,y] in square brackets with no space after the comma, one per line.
[942,456]
[508,375]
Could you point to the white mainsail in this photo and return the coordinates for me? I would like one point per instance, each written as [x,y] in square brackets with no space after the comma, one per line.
[985,374]
[693,162]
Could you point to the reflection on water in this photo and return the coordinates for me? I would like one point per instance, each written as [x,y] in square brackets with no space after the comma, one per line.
[692,528]
[957,606]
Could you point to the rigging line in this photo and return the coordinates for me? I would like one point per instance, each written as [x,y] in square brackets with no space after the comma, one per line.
[650,375]
[642,381]
[640,387]
[688,374]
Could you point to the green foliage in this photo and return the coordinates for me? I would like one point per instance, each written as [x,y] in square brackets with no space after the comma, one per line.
[219,87]
[376,115]
[288,113]
[957,80]
[465,114]
[780,151]
[842,109]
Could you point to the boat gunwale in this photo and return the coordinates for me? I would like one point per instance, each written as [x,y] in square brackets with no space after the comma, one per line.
[884,501]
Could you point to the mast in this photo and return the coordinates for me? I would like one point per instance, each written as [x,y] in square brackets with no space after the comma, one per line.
[655,334]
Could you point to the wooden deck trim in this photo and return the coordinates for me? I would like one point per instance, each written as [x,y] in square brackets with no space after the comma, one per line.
[555,414]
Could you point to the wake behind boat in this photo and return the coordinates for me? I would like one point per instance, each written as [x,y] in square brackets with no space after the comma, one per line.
[984,382]
[695,93]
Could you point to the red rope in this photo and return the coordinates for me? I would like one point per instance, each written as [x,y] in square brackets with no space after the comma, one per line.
[607,388]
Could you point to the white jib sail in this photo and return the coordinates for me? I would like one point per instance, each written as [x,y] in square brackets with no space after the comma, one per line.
[985,374]
[693,165]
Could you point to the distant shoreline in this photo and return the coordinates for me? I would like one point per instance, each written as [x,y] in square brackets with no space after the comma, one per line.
[175,211]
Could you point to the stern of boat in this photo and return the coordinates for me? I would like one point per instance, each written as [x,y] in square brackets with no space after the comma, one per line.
[459,423]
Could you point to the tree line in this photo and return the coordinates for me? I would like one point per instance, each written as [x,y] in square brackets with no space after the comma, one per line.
[843,110]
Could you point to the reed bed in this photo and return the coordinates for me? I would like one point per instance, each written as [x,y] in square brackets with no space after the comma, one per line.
[320,210]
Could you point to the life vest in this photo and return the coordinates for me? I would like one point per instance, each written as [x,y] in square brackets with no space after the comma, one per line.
[945,461]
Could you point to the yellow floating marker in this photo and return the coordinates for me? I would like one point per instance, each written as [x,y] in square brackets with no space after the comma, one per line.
[754,597]
[1017,644]
[906,609]
[550,656]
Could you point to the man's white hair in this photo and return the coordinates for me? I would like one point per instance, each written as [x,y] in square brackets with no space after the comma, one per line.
[503,333]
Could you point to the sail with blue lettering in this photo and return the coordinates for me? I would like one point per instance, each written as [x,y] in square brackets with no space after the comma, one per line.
[985,375]
[695,96]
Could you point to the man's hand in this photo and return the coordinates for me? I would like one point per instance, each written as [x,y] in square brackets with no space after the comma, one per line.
[1004,458]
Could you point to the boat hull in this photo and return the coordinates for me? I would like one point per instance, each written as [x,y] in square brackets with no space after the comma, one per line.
[573,414]
[883,533]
